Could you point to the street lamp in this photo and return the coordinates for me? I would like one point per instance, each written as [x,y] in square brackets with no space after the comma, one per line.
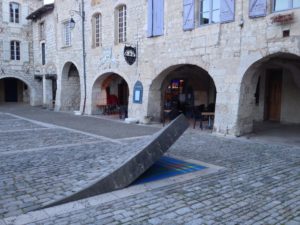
[72,24]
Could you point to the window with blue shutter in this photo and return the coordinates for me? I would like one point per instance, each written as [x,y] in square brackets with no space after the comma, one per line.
[257,8]
[227,11]
[155,17]
[209,11]
[279,5]
[188,14]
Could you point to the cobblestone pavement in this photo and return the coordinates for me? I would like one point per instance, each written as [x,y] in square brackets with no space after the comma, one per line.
[259,185]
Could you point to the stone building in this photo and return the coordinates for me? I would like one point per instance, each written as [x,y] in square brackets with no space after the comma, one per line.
[17,83]
[236,58]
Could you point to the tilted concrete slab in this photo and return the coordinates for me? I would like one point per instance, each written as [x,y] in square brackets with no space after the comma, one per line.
[149,150]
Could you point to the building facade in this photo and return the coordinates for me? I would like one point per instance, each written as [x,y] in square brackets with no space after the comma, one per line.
[239,59]
[17,83]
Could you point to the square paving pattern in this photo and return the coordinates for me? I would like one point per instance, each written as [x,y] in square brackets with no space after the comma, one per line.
[258,185]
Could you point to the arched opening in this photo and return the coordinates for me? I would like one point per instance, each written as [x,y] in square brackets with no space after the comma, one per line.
[182,88]
[270,93]
[110,96]
[70,92]
[14,90]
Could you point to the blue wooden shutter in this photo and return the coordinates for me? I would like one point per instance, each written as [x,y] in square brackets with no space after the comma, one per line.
[158,19]
[150,18]
[257,8]
[227,11]
[188,14]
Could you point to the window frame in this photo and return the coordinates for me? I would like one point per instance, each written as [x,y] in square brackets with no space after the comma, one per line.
[14,13]
[290,3]
[43,51]
[42,31]
[97,30]
[15,50]
[67,34]
[210,11]
[121,24]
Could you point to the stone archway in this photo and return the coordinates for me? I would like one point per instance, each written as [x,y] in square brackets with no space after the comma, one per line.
[14,90]
[70,91]
[270,91]
[110,93]
[183,87]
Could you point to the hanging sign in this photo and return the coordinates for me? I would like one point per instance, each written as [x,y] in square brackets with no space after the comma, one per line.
[129,54]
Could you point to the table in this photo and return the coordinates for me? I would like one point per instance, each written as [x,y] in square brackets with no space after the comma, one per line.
[210,118]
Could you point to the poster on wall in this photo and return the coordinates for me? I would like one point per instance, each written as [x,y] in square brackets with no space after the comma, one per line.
[138,93]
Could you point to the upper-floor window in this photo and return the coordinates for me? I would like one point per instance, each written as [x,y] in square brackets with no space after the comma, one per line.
[122,23]
[201,12]
[14,12]
[15,50]
[209,11]
[42,31]
[279,5]
[97,33]
[67,34]
[43,46]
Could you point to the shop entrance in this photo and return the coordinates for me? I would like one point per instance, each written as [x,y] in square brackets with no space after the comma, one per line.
[110,96]
[186,89]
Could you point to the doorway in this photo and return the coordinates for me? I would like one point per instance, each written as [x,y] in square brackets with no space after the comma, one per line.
[273,95]
[11,90]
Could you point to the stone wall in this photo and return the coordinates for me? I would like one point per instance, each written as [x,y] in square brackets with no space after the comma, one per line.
[227,52]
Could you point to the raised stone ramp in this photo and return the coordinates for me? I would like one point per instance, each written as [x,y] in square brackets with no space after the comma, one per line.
[149,150]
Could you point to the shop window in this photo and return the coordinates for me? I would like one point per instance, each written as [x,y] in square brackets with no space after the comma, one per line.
[15,50]
[14,12]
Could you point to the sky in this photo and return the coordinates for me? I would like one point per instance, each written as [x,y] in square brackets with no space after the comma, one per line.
[48,1]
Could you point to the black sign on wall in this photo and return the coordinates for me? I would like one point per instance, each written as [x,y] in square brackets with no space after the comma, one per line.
[130,54]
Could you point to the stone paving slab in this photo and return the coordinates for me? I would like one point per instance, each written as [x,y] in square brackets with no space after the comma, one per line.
[30,179]
[16,125]
[113,129]
[4,116]
[38,138]
[260,185]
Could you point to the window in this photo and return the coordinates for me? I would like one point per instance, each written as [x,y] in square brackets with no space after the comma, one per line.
[209,11]
[97,33]
[279,5]
[201,12]
[42,31]
[122,24]
[14,12]
[66,34]
[15,50]
[43,53]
